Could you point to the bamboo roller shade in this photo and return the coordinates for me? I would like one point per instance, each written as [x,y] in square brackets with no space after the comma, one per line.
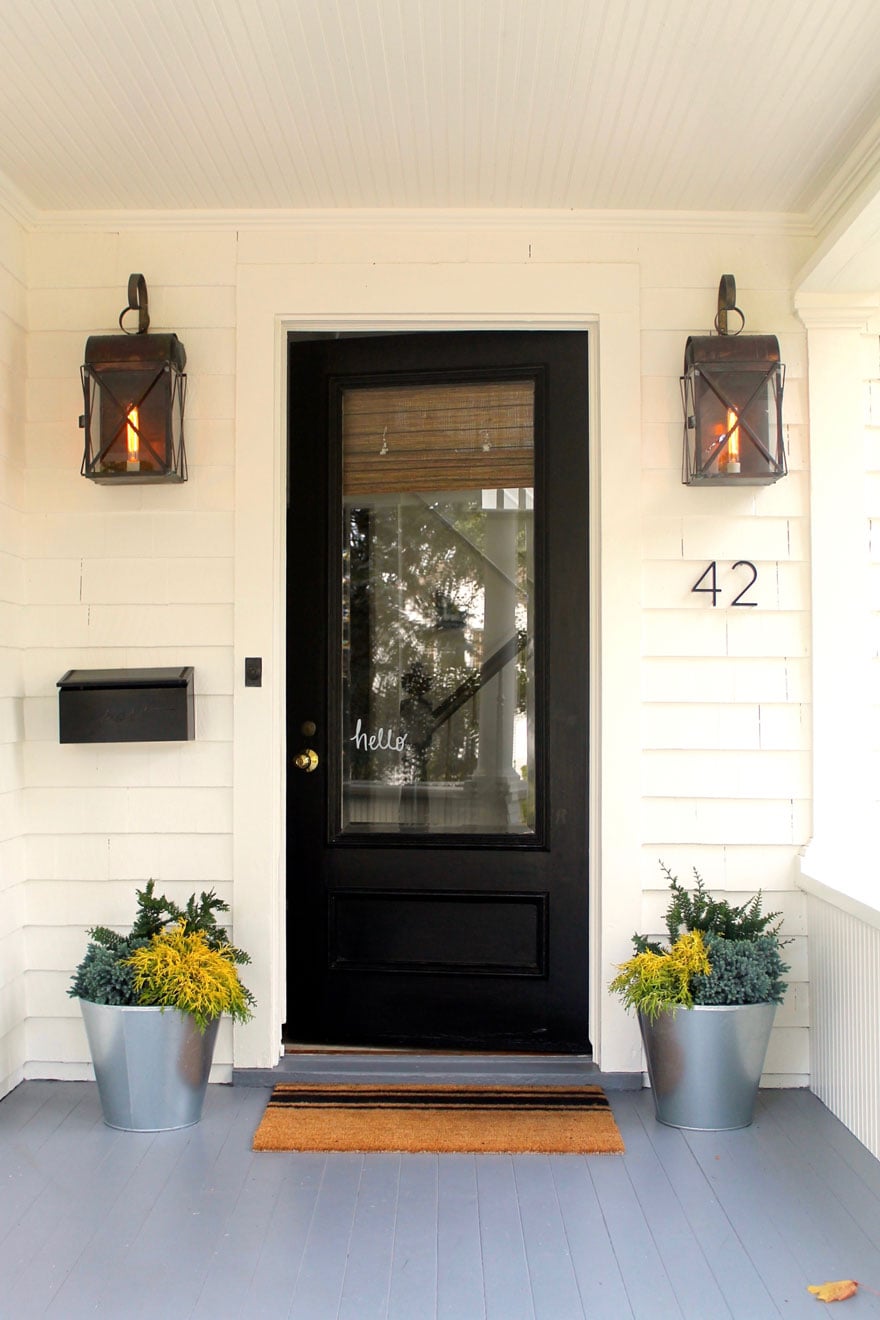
[477,436]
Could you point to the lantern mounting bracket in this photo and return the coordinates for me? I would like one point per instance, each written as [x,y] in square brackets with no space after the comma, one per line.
[138,301]
[726,303]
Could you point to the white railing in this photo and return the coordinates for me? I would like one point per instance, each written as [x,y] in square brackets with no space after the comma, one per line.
[844,953]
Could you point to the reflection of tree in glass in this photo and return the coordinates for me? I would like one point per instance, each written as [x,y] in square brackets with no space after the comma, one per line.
[417,592]
[416,720]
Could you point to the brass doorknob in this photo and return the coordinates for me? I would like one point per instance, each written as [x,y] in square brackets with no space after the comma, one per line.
[306,760]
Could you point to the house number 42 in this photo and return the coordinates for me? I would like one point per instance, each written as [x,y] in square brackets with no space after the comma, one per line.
[710,578]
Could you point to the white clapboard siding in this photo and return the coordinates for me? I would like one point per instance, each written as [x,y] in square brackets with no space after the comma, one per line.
[725,773]
[147,577]
[117,578]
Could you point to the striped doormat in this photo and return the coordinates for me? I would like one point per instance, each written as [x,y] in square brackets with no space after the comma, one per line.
[573,1120]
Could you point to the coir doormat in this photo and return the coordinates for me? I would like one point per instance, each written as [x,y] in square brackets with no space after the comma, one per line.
[575,1120]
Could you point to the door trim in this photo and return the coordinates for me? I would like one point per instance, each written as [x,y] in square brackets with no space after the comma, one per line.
[275,299]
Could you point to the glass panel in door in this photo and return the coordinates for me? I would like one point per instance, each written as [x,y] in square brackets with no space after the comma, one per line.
[437,659]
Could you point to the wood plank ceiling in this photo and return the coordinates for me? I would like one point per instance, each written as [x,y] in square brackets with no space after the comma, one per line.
[729,105]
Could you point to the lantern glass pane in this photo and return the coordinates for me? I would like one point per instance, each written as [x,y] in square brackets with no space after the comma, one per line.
[129,424]
[737,415]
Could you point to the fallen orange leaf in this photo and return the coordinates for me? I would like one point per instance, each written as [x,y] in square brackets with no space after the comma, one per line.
[834,1292]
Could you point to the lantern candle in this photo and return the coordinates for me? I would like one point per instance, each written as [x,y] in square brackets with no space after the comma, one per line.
[132,436]
[732,441]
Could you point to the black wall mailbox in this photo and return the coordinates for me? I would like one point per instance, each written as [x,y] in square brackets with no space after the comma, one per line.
[126,705]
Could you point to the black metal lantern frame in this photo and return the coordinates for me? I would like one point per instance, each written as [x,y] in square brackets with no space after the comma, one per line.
[732,397]
[134,392]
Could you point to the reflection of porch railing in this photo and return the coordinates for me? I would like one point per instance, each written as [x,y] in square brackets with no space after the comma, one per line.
[431,806]
[480,677]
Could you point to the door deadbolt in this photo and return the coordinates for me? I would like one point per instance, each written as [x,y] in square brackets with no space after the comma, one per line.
[306,760]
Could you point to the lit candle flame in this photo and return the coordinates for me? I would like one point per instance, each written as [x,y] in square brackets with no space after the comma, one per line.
[132,439]
[732,441]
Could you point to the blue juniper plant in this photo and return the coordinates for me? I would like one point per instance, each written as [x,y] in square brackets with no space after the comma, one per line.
[745,971]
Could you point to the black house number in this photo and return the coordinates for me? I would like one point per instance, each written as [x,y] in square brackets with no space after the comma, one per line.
[744,567]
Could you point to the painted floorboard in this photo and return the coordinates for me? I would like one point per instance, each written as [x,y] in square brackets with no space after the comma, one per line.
[191,1225]
[413,1282]
[553,1277]
[502,1246]
[732,1268]
[687,1268]
[460,1283]
[367,1282]
[600,1282]
[281,1255]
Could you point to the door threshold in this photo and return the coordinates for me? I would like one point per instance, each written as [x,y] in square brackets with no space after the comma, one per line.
[295,1048]
[399,1067]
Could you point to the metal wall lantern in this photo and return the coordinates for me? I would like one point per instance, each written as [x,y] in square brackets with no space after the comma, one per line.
[134,389]
[732,396]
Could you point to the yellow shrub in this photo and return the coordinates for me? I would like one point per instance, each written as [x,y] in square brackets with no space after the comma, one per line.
[652,982]
[180,970]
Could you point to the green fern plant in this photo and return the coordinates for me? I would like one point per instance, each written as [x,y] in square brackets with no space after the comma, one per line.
[698,910]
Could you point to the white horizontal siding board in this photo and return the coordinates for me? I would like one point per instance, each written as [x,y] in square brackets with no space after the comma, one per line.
[54,582]
[181,259]
[68,857]
[210,443]
[200,861]
[788,1052]
[660,447]
[725,774]
[210,397]
[768,633]
[95,765]
[214,719]
[661,400]
[79,904]
[11,719]
[741,869]
[154,625]
[159,580]
[685,726]
[702,679]
[731,539]
[662,537]
[84,260]
[782,727]
[13,907]
[179,810]
[677,821]
[683,632]
[55,355]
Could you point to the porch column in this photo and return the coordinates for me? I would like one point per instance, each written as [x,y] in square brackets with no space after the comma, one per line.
[842,789]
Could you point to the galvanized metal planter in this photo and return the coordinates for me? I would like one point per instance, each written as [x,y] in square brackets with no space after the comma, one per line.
[705,1063]
[151,1065]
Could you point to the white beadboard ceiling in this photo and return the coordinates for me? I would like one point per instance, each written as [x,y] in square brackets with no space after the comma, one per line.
[724,105]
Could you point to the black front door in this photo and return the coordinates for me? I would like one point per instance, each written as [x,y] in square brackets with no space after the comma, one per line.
[437,690]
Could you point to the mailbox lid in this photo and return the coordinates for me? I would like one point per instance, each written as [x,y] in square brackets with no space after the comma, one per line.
[82,680]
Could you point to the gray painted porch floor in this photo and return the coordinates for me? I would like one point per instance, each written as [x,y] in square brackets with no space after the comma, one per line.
[194,1224]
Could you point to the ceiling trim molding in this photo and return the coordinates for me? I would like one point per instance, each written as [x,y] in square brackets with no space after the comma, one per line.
[845,192]
[786,224]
